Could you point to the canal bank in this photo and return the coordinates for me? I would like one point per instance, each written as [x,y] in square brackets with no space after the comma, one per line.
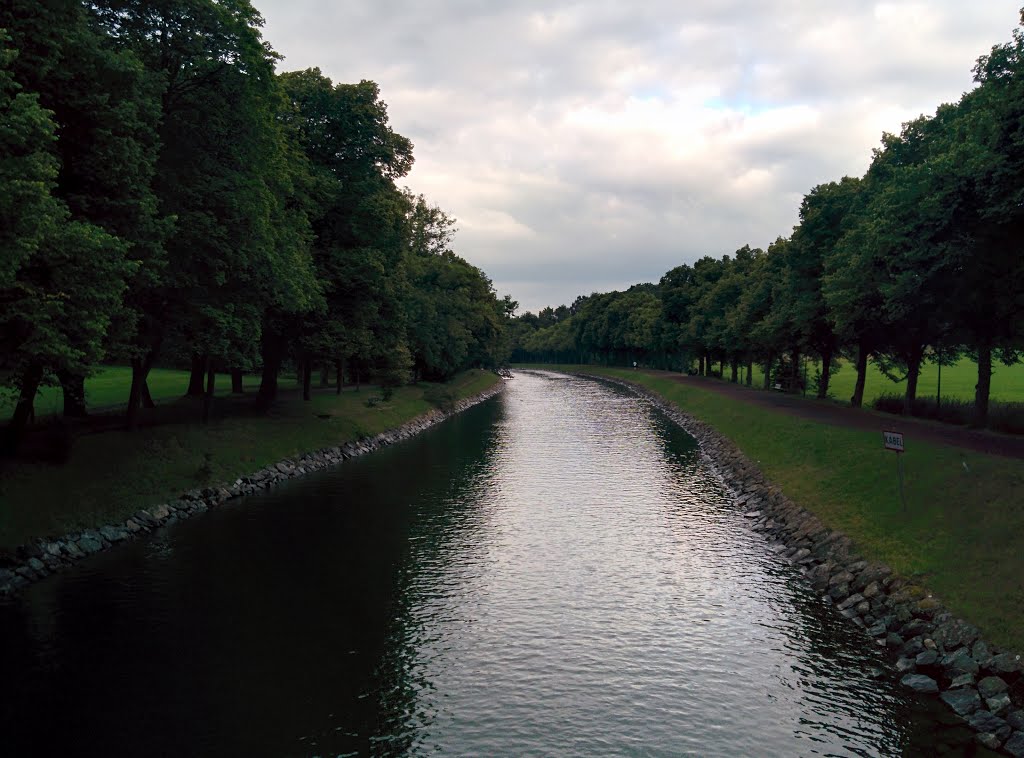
[933,652]
[39,558]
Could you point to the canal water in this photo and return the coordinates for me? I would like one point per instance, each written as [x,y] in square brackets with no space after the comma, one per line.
[554,572]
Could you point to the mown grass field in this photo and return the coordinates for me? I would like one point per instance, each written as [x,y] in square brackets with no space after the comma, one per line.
[108,388]
[112,474]
[957,381]
[960,535]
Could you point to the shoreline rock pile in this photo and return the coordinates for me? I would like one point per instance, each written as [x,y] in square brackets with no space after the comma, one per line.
[40,558]
[932,651]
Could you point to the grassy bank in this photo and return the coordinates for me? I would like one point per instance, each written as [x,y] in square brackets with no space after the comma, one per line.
[112,474]
[959,536]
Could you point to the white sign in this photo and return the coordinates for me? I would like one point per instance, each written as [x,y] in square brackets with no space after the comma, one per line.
[893,441]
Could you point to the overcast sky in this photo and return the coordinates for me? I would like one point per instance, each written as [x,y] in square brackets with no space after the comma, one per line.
[588,146]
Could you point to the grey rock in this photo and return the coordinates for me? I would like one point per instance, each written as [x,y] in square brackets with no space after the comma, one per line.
[839,591]
[862,608]
[989,740]
[964,700]
[52,548]
[927,658]
[954,633]
[912,647]
[905,665]
[877,629]
[999,704]
[25,573]
[1015,719]
[857,566]
[843,577]
[893,640]
[983,721]
[113,533]
[872,590]
[89,544]
[920,683]
[144,517]
[1015,745]
[132,526]
[72,549]
[913,628]
[37,565]
[981,653]
[850,601]
[959,662]
[1005,663]
[991,686]
[961,680]
[929,644]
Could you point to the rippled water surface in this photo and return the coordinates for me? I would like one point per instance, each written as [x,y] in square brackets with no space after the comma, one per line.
[555,572]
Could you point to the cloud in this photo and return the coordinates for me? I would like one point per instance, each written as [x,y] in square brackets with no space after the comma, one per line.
[587,146]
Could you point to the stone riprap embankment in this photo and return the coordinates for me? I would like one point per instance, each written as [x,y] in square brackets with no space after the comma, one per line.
[932,651]
[41,558]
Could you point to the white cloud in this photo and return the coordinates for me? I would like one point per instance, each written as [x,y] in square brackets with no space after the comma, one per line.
[589,146]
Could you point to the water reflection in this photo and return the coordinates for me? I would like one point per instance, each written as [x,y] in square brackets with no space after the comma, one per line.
[556,572]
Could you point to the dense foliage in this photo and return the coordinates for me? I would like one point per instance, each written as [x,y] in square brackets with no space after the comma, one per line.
[918,259]
[167,197]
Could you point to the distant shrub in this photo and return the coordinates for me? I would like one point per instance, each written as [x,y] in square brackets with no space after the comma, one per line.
[1006,417]
[440,397]
[1002,417]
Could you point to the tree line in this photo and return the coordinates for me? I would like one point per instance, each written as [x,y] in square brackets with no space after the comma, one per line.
[918,259]
[167,196]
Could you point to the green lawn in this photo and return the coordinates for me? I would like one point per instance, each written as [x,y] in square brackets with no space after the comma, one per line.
[109,386]
[960,535]
[112,474]
[957,381]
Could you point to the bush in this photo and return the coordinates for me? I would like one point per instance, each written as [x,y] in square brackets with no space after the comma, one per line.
[1002,417]
[440,396]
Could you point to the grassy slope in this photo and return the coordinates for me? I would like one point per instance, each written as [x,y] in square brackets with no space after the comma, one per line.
[957,381]
[112,474]
[960,534]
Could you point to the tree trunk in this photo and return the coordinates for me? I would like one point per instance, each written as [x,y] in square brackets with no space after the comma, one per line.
[147,397]
[211,376]
[981,390]
[768,372]
[195,380]
[357,378]
[236,382]
[794,370]
[750,372]
[862,375]
[325,375]
[307,377]
[700,365]
[826,373]
[913,372]
[272,350]
[339,369]
[25,410]
[73,386]
[735,371]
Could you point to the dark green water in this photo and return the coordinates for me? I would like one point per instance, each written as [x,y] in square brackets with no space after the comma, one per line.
[555,572]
